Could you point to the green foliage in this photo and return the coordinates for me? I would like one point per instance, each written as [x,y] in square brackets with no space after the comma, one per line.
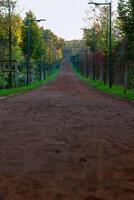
[89,37]
[15,22]
[32,86]
[130,76]
[43,51]
[35,34]
[101,29]
[126,15]
[52,43]
[115,90]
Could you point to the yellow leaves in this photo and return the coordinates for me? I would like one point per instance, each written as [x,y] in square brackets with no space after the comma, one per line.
[18,35]
[59,53]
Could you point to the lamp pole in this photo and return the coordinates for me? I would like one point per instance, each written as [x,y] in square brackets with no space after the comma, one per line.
[40,60]
[10,45]
[110,47]
[29,21]
[46,62]
[28,52]
[110,38]
[94,66]
[44,68]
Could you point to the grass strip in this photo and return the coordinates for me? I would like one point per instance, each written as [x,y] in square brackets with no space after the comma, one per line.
[36,84]
[115,90]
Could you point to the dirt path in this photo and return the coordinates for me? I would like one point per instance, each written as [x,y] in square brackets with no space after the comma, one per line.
[66,141]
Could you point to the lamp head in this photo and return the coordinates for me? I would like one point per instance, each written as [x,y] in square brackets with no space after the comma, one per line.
[91,2]
[40,20]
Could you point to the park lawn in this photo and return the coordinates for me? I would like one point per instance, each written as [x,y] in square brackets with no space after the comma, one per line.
[115,90]
[5,92]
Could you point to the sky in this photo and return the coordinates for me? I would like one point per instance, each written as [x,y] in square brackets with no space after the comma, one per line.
[64,17]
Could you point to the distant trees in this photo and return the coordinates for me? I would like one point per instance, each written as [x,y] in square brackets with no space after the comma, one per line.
[45,46]
[41,41]
[53,45]
[96,37]
[126,15]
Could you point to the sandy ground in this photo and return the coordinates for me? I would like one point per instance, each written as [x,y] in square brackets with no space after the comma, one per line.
[66,141]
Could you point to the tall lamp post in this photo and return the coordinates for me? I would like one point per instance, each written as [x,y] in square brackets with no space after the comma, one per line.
[46,65]
[40,60]
[29,21]
[10,45]
[94,67]
[110,37]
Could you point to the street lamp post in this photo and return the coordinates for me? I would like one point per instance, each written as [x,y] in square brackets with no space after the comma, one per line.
[28,52]
[110,37]
[94,66]
[28,43]
[49,62]
[40,60]
[46,62]
[44,67]
[10,45]
[110,47]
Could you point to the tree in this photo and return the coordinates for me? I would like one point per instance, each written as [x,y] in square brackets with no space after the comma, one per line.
[9,18]
[35,34]
[126,15]
[53,46]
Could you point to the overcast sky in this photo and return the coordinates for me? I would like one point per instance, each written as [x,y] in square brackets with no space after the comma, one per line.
[64,17]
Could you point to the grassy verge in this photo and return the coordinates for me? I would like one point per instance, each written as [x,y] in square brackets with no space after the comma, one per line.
[115,90]
[5,92]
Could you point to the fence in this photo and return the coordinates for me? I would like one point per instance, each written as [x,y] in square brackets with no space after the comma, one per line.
[88,65]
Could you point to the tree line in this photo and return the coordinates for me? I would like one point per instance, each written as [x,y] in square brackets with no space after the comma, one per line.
[96,37]
[45,48]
